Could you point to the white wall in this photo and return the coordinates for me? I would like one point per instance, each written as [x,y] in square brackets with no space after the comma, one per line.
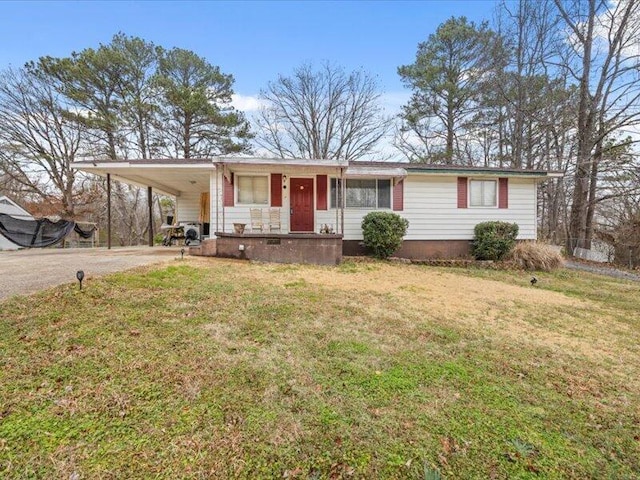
[431,208]
[241,214]
[430,205]
[188,207]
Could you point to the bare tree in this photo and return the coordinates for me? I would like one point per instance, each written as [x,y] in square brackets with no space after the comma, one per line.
[602,56]
[38,142]
[323,113]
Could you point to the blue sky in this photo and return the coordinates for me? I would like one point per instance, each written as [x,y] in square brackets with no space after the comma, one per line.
[254,41]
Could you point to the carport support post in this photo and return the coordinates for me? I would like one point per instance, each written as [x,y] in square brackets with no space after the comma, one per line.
[150,204]
[343,189]
[108,210]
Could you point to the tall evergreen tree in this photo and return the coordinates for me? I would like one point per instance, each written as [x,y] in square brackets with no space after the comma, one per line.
[445,78]
[197,116]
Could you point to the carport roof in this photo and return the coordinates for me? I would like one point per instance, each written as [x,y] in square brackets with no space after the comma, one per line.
[170,177]
[175,175]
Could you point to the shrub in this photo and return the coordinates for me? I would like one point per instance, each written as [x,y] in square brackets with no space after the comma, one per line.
[158,238]
[493,240]
[383,232]
[536,256]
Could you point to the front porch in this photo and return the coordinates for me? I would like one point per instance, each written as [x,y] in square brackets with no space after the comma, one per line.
[293,209]
[320,249]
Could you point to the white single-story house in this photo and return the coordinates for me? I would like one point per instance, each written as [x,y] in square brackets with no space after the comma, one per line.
[9,207]
[311,210]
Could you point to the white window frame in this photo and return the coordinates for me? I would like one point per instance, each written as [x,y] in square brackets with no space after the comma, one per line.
[237,189]
[332,198]
[497,190]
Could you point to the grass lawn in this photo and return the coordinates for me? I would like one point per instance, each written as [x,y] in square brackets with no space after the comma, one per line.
[208,368]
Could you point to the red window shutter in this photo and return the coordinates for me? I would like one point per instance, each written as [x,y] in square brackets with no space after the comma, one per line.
[503,193]
[462,192]
[227,191]
[321,188]
[398,196]
[276,189]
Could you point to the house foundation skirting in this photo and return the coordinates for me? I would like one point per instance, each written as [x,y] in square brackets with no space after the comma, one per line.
[417,249]
[207,248]
[318,249]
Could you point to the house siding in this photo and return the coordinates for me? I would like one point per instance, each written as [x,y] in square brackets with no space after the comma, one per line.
[188,207]
[431,208]
[430,205]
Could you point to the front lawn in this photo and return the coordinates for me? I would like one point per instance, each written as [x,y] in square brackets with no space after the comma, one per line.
[211,368]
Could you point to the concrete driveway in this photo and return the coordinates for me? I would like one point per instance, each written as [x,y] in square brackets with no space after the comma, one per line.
[27,271]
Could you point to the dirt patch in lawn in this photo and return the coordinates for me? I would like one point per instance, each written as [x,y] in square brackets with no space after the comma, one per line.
[516,313]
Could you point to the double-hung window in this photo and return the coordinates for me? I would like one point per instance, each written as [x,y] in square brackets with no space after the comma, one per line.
[483,193]
[253,190]
[362,193]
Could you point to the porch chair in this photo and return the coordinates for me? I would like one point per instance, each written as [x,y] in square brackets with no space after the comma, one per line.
[274,220]
[257,224]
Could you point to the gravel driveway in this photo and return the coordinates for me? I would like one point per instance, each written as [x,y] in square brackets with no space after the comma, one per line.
[602,270]
[27,271]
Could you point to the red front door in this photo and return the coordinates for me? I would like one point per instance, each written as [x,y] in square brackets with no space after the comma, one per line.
[301,204]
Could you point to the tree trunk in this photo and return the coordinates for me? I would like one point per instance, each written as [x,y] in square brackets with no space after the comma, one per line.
[580,198]
[450,127]
[593,181]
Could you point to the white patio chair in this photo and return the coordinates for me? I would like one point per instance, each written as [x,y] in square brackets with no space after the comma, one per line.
[257,224]
[275,224]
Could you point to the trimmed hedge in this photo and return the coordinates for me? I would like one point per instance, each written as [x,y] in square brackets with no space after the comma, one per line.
[383,232]
[493,240]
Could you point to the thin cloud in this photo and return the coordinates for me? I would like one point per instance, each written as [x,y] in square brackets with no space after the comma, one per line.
[246,103]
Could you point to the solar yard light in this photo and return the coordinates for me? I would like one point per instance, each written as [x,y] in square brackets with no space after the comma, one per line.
[80,277]
[182,254]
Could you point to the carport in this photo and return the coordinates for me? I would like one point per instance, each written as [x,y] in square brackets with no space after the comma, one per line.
[157,175]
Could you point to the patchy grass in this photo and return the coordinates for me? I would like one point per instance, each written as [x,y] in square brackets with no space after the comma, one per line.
[218,369]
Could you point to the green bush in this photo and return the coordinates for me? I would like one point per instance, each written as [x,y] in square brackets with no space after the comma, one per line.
[383,232]
[494,240]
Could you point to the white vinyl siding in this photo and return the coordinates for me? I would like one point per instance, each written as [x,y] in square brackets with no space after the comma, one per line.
[430,205]
[188,207]
[239,213]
